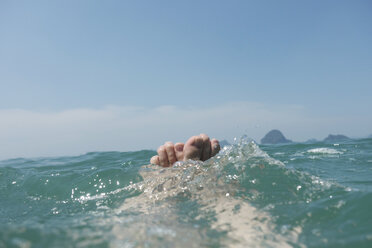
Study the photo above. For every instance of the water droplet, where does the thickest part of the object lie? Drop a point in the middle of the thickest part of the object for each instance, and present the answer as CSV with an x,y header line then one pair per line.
x,y
55,211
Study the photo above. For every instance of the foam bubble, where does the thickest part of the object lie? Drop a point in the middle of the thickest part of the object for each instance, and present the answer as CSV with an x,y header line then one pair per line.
x,y
324,150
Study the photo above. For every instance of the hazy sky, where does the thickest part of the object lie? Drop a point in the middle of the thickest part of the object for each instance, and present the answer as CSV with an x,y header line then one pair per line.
x,y
79,76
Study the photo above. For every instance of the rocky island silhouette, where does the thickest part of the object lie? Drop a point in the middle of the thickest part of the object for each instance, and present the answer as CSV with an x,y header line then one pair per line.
x,y
274,137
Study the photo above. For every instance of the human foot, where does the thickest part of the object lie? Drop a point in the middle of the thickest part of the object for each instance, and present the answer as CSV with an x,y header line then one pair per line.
x,y
196,148
168,154
200,148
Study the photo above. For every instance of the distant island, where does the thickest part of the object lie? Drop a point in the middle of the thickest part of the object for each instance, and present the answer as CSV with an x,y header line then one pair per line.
x,y
335,138
311,141
274,137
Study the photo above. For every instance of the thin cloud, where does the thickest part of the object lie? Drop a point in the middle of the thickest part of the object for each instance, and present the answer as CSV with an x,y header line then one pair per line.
x,y
26,133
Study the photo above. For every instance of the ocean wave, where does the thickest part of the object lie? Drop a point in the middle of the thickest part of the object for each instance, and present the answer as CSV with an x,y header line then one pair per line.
x,y
243,197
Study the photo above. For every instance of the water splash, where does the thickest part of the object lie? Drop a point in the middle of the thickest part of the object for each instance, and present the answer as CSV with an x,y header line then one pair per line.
x,y
217,187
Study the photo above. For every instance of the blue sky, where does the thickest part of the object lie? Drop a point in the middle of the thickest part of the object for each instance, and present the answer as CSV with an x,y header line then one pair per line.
x,y
85,69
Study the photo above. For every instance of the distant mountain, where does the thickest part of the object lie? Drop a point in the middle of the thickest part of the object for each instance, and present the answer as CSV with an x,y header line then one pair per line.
x,y
335,138
224,143
311,141
370,136
274,137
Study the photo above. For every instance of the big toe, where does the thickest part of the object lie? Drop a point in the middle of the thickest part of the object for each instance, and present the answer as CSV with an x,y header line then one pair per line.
x,y
178,147
193,148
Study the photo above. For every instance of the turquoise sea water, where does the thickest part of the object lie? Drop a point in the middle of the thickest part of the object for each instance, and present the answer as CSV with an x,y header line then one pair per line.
x,y
295,195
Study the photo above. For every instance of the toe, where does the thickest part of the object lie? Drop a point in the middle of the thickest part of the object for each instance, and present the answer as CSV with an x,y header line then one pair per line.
x,y
163,157
169,148
155,160
193,148
215,146
206,151
178,148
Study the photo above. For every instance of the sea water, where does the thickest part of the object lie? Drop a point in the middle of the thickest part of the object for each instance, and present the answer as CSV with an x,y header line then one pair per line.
x,y
249,195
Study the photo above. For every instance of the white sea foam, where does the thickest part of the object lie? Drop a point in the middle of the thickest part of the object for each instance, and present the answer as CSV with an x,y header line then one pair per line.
x,y
324,150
